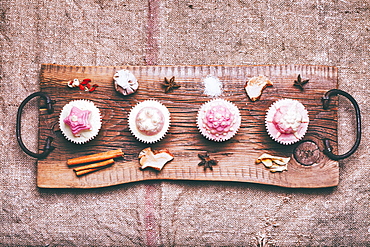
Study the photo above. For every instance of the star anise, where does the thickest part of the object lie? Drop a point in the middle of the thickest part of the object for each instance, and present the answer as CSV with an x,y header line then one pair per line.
x,y
170,84
299,83
206,162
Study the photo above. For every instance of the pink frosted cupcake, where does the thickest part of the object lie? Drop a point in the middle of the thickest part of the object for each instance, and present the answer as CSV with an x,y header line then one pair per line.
x,y
80,121
218,120
149,121
287,121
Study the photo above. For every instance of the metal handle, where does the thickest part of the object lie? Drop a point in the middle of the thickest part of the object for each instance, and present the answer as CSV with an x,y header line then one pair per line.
x,y
326,102
47,148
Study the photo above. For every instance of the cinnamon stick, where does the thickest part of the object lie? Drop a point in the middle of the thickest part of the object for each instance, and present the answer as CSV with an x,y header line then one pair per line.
x,y
94,165
83,172
95,157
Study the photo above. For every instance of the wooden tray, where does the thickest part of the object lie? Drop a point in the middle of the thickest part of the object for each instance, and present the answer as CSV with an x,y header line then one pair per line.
x,y
236,157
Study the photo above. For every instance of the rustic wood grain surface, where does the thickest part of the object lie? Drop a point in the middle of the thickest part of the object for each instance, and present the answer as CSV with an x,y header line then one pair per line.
x,y
236,157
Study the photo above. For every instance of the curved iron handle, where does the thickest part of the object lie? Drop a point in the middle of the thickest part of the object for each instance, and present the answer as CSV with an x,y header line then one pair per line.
x,y
327,147
47,148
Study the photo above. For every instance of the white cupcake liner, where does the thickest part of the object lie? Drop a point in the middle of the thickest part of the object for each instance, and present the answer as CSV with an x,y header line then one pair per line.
x,y
218,138
134,129
94,119
286,138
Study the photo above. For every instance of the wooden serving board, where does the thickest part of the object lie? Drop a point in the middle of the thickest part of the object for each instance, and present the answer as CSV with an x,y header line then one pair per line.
x,y
236,157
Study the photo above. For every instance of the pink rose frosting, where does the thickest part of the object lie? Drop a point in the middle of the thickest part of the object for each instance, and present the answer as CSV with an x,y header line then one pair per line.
x,y
287,121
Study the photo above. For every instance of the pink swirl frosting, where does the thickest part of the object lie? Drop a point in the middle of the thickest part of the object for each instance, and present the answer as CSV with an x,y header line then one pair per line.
x,y
78,120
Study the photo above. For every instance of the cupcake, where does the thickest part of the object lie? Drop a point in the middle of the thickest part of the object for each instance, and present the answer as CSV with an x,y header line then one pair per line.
x,y
80,121
149,121
287,121
218,120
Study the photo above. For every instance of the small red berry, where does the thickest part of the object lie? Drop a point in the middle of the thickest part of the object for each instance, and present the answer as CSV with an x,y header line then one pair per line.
x,y
85,81
92,89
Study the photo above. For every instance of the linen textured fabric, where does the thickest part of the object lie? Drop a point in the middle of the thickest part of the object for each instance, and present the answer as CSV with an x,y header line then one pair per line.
x,y
174,32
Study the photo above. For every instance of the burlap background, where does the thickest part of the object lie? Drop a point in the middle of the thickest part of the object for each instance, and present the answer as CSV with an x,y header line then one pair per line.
x,y
116,32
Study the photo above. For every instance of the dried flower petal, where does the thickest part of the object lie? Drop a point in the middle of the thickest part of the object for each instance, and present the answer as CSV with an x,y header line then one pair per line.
x,y
274,163
73,83
256,85
156,159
